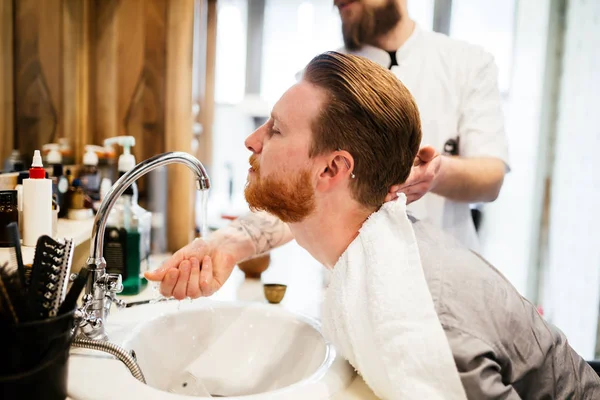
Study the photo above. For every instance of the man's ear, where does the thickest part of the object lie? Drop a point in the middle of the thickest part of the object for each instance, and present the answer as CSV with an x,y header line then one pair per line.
x,y
337,168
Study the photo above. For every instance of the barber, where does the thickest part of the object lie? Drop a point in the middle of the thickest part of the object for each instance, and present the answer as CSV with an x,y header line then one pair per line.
x,y
455,85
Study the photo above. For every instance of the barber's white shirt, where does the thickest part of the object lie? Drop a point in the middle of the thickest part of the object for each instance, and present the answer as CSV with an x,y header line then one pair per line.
x,y
455,85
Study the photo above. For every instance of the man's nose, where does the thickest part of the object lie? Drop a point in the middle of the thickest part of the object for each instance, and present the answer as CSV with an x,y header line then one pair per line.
x,y
254,141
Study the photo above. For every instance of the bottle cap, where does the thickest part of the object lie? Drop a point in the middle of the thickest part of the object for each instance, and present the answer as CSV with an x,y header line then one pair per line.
x,y
37,170
37,159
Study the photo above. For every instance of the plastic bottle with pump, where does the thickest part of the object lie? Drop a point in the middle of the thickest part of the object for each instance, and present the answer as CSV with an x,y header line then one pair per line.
x,y
89,175
66,151
127,235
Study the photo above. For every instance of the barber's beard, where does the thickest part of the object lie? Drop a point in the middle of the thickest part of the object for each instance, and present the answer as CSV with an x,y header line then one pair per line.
x,y
374,22
289,198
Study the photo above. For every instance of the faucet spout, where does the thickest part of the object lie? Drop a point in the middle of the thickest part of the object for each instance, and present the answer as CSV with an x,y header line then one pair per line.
x,y
141,169
101,287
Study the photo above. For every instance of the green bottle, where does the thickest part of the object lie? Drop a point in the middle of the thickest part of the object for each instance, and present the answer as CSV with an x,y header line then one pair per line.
x,y
127,236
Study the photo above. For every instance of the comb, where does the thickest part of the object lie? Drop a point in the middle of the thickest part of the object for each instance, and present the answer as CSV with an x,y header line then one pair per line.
x,y
48,276
16,257
63,280
6,301
14,304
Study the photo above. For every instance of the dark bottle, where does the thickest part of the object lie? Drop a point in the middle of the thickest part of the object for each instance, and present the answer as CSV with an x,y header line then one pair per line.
x,y
9,212
60,188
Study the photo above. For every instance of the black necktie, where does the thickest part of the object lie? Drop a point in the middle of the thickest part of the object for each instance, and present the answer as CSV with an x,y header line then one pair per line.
x,y
393,57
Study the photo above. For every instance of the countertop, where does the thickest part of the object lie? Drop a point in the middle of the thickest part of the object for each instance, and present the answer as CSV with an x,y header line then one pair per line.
x,y
78,230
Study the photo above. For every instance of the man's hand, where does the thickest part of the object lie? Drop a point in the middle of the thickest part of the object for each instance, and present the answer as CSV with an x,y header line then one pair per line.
x,y
190,272
202,267
422,178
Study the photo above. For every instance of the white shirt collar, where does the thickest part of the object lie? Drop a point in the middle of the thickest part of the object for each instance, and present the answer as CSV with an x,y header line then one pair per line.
x,y
382,57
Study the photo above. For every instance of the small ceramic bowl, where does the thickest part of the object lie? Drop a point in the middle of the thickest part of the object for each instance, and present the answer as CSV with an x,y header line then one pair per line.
x,y
274,292
254,267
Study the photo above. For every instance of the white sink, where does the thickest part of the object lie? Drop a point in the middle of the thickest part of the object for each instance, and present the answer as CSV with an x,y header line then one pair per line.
x,y
235,350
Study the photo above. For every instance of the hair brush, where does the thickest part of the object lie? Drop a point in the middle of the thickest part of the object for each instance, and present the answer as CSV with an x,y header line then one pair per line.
x,y
48,276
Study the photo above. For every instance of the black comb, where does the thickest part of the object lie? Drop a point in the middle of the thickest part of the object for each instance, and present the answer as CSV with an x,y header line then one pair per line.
x,y
14,304
47,276
16,257
63,280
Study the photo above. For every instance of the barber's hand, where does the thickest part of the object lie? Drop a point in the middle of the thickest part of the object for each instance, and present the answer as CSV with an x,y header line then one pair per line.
x,y
198,269
422,176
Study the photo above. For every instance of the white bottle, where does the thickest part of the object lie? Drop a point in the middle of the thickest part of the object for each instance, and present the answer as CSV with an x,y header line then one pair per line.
x,y
37,203
53,155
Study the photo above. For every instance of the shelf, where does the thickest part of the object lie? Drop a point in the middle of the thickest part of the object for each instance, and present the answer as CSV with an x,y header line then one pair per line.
x,y
79,231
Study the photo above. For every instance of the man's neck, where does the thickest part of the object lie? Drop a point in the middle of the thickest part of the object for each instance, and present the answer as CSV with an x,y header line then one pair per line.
x,y
327,233
395,38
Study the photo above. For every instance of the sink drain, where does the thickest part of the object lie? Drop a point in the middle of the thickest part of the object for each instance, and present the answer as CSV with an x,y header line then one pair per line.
x,y
184,384
189,385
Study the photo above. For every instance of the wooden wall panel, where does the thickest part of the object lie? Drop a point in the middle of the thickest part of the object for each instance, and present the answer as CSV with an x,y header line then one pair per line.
x,y
179,120
209,95
37,30
205,36
75,113
92,69
130,56
129,78
6,78
104,70
118,59
145,113
49,20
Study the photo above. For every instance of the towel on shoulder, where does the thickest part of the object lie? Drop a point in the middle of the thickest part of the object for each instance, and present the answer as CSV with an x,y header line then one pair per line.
x,y
379,313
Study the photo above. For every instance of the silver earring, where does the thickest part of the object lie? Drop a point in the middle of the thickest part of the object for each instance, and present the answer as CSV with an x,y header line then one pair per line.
x,y
348,166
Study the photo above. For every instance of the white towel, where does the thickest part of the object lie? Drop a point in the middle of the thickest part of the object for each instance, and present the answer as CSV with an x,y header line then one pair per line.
x,y
379,313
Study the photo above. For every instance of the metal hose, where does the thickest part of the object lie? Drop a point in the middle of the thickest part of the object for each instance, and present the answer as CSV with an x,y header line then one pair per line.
x,y
114,350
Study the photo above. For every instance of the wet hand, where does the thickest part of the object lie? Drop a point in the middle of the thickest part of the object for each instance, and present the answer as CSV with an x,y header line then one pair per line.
x,y
196,270
423,176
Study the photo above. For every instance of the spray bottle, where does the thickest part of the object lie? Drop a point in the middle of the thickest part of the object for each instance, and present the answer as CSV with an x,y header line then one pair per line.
x,y
89,175
127,236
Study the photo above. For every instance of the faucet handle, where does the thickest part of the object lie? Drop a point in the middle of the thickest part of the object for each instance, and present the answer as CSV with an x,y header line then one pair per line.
x,y
115,300
112,283
84,317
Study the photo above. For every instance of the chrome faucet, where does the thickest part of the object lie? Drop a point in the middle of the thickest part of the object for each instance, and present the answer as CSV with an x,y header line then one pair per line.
x,y
102,287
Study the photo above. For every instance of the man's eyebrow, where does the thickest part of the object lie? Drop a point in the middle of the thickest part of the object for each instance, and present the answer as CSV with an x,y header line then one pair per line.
x,y
276,117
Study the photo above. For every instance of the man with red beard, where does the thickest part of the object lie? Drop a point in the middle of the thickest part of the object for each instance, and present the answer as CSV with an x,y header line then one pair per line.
x,y
455,86
323,163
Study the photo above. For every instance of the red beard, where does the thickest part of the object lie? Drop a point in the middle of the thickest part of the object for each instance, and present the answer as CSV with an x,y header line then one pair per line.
x,y
289,198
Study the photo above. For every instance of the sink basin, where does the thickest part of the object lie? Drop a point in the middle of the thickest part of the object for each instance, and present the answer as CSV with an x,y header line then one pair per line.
x,y
225,349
